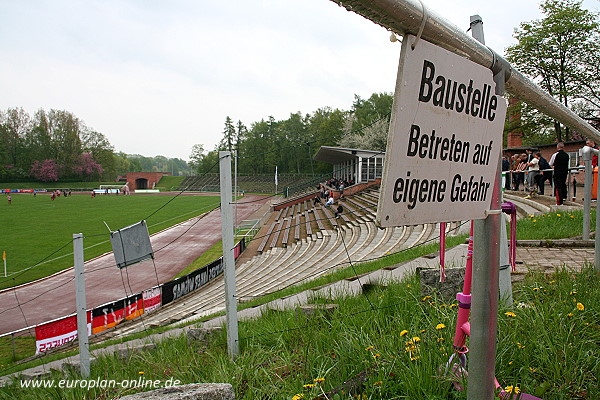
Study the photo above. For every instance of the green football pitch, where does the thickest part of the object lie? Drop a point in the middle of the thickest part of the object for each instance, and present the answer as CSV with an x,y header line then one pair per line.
x,y
37,232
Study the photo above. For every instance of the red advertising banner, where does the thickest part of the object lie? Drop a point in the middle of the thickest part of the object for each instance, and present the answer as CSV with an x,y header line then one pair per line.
x,y
152,299
59,332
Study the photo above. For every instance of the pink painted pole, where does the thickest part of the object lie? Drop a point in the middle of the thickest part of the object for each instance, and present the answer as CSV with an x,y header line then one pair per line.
x,y
442,252
464,300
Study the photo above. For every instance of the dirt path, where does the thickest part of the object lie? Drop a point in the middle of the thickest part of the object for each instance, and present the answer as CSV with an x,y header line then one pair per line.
x,y
174,249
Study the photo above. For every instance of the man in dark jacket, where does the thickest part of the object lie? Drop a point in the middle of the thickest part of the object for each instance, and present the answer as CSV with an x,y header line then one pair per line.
x,y
560,163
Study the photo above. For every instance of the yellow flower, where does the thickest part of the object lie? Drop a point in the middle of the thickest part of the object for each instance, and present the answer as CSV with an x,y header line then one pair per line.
x,y
404,332
440,326
535,220
415,358
318,379
425,298
416,339
532,369
531,215
573,292
512,389
376,355
535,289
309,385
378,383
521,346
510,314
558,215
454,305
141,372
570,314
298,396
580,307
572,216
510,363
440,339
370,348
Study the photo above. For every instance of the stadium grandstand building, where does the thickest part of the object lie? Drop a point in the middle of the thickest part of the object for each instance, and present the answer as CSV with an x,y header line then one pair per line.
x,y
356,165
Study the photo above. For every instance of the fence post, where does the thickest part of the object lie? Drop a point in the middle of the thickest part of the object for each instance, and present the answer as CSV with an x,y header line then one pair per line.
x,y
484,305
80,301
586,153
228,260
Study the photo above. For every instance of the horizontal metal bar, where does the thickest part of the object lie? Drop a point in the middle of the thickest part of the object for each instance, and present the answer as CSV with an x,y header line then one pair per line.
x,y
406,16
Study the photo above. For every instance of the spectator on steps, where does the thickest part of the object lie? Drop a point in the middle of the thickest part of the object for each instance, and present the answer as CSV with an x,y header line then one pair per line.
x,y
339,210
329,201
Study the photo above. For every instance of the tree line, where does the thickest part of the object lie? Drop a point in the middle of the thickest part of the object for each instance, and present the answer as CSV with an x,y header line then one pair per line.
x,y
55,144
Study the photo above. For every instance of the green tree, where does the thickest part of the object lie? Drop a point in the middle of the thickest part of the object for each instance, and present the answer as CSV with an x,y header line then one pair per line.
x,y
560,53
229,138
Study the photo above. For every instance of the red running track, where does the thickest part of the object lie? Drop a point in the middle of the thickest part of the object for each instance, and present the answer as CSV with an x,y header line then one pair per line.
x,y
54,297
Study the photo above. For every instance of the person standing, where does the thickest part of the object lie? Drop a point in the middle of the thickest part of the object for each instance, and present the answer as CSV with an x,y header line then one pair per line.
x,y
545,173
533,173
560,163
9,198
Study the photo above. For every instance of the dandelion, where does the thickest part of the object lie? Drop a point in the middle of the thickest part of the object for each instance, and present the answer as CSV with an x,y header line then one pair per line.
x,y
141,372
521,346
443,305
422,331
532,369
376,355
573,292
572,216
377,383
535,289
510,363
512,389
416,339
440,339
454,305
318,379
298,396
580,307
425,298
569,315
370,348
531,215
535,220
404,332
510,314
440,326
415,358
557,214
309,385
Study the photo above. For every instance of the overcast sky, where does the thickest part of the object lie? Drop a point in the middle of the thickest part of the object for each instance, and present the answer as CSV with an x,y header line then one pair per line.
x,y
157,77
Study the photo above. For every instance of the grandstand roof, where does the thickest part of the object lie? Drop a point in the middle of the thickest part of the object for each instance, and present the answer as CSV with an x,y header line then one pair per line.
x,y
336,155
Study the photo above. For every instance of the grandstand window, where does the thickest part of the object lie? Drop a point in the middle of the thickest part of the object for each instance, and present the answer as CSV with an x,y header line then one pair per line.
x,y
378,167
364,176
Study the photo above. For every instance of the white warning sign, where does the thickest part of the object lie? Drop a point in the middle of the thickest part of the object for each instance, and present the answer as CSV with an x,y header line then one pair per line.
x,y
444,139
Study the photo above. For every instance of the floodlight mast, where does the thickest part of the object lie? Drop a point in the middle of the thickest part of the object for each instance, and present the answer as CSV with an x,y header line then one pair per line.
x,y
407,16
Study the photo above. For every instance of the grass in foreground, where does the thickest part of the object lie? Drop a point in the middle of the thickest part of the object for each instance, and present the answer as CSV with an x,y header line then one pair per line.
x,y
42,229
393,339
553,225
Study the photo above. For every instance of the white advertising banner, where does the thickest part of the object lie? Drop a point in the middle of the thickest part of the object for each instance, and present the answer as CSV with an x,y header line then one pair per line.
x,y
444,140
